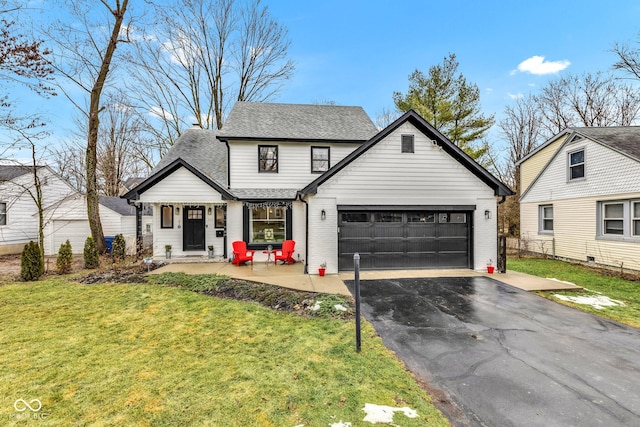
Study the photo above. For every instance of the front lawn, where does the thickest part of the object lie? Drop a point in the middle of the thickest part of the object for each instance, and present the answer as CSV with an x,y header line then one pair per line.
x,y
597,283
144,354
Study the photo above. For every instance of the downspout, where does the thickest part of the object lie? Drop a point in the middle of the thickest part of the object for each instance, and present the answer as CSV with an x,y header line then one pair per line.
x,y
306,233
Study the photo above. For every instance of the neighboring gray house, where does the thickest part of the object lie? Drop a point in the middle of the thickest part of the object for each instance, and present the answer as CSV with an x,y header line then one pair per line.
x,y
404,197
580,196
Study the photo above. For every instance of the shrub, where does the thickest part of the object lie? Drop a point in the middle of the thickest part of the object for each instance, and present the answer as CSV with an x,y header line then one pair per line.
x,y
65,258
31,262
118,247
91,259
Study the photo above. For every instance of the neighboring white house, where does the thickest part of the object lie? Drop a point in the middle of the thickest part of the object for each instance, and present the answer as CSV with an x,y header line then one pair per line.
x,y
404,197
68,221
18,211
580,196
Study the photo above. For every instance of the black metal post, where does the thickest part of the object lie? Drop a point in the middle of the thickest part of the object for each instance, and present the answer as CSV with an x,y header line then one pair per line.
x,y
356,265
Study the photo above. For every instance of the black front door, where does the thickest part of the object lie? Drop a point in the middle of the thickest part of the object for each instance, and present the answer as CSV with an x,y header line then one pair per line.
x,y
193,233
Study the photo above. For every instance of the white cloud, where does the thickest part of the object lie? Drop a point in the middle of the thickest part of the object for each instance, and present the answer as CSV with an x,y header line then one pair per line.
x,y
160,113
515,96
538,66
489,90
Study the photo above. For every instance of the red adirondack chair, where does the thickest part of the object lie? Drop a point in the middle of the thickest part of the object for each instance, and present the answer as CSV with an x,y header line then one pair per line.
x,y
241,254
286,253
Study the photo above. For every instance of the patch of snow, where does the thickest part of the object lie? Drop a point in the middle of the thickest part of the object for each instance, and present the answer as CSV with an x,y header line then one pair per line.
x,y
340,307
340,424
599,302
384,414
315,307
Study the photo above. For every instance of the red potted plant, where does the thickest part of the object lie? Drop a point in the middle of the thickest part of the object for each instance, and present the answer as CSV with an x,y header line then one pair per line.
x,y
322,268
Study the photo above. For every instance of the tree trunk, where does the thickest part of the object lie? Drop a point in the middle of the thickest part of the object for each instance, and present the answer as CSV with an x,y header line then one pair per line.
x,y
93,212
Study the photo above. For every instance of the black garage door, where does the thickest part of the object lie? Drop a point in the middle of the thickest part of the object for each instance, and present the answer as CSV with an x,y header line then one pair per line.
x,y
405,239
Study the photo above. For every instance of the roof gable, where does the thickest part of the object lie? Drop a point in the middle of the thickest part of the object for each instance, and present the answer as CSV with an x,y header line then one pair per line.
x,y
423,126
297,122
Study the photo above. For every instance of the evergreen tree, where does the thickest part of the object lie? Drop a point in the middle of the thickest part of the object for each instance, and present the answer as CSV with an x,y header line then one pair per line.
x,y
65,258
31,262
91,259
118,247
450,104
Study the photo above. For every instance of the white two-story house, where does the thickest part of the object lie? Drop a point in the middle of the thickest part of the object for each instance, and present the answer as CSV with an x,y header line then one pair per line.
x,y
324,176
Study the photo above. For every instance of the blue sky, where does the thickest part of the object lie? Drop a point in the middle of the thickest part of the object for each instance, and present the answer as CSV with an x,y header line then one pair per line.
x,y
360,52
357,52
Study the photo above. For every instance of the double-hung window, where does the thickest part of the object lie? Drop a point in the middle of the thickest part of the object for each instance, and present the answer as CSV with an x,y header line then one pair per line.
x,y
576,165
3,213
545,215
619,219
268,158
613,219
635,220
319,159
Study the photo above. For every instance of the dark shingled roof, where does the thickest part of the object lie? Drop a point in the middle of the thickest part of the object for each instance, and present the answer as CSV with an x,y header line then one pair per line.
x,y
622,138
298,122
201,149
118,205
9,172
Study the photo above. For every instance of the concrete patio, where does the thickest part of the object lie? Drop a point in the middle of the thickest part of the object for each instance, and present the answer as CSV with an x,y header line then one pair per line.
x,y
293,277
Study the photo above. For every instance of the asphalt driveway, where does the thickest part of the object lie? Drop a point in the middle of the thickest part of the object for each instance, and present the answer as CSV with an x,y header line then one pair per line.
x,y
495,355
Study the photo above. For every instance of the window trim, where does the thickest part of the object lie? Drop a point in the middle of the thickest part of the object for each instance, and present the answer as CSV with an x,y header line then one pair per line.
x,y
627,220
634,218
263,245
4,214
603,222
542,218
408,138
277,154
162,223
571,166
328,158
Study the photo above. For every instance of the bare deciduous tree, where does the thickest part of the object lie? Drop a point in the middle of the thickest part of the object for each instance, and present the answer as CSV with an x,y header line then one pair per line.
x,y
628,58
85,55
203,56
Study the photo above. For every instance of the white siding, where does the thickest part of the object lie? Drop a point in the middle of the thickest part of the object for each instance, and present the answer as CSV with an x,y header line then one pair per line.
x,y
294,164
385,176
607,172
575,228
181,187
22,218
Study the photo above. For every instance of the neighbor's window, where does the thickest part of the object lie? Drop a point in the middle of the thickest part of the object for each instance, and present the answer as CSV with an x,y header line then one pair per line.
x,y
267,224
3,213
319,159
267,158
613,217
546,219
576,165
219,216
166,216
635,221
407,144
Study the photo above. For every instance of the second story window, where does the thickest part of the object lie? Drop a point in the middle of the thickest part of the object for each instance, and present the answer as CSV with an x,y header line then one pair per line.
x,y
319,159
268,158
576,165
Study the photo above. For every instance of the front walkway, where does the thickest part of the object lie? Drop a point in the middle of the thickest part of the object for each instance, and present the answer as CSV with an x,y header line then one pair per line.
x,y
293,277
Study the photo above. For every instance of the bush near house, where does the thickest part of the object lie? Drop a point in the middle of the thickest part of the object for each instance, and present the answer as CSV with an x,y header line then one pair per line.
x,y
31,262
118,248
65,258
91,259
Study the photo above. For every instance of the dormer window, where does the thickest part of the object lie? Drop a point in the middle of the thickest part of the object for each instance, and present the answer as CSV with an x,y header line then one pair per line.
x,y
576,165
268,158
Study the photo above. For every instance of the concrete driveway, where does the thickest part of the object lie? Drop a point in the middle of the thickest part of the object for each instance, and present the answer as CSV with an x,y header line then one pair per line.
x,y
494,355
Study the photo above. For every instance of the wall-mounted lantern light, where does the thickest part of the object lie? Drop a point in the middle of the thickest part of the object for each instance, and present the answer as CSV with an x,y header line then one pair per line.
x,y
323,215
177,210
487,214
209,211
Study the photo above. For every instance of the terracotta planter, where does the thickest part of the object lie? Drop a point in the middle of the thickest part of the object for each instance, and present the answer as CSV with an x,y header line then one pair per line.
x,y
490,269
321,271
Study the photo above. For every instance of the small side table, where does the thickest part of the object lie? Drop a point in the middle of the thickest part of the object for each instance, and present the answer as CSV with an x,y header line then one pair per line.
x,y
268,257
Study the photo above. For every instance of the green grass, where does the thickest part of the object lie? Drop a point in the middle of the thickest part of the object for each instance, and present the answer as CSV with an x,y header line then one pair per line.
x,y
594,281
143,354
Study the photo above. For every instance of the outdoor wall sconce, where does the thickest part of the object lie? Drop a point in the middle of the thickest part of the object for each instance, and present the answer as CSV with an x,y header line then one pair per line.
x,y
323,215
209,211
487,214
177,210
